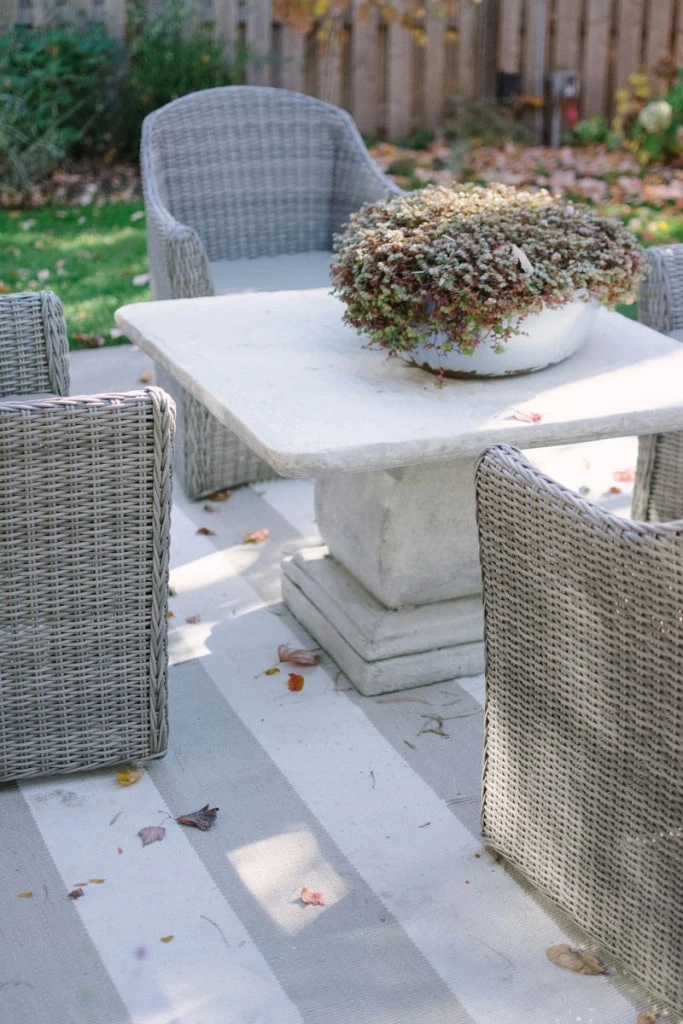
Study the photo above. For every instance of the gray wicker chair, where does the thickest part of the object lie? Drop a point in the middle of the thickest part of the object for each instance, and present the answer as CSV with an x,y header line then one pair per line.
x,y
658,487
583,763
84,537
234,174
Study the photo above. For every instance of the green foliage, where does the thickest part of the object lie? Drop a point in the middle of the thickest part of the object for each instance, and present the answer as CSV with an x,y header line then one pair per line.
x,y
420,139
591,130
490,122
459,261
171,52
56,90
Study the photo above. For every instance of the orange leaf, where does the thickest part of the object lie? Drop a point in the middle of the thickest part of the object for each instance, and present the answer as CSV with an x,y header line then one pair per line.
x,y
271,671
625,476
295,682
204,531
146,377
129,776
314,899
576,960
647,1018
220,496
257,536
297,657
25,895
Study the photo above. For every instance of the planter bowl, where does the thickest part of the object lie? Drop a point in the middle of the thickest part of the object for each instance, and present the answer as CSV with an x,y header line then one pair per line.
x,y
549,337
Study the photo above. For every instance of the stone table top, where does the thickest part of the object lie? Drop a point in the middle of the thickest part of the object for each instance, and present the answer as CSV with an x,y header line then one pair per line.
x,y
289,377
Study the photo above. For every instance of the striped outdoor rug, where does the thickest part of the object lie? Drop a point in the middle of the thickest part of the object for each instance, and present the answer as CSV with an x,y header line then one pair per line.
x,y
346,795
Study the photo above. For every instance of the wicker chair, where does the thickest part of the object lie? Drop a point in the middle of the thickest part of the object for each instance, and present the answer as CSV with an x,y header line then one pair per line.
x,y
583,763
234,174
658,488
84,536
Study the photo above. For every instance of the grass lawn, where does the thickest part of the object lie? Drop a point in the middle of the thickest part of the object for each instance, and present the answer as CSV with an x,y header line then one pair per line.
x,y
88,255
91,256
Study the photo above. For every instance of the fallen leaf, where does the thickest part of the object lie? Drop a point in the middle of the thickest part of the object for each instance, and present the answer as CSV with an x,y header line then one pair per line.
x,y
193,619
524,261
140,280
138,215
166,938
170,615
409,744
298,656
204,531
202,819
115,818
43,275
26,225
91,340
208,508
129,776
614,490
257,536
271,671
295,682
151,834
526,417
119,849
75,893
220,495
172,592
576,960
146,377
39,243
647,1018
625,476
25,895
314,899
4,288
116,332
96,881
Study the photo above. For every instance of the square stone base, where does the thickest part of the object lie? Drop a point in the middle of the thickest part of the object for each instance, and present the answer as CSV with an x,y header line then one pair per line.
x,y
382,650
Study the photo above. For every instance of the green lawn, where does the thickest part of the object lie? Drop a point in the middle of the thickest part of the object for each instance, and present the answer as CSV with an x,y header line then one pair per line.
x,y
91,255
88,255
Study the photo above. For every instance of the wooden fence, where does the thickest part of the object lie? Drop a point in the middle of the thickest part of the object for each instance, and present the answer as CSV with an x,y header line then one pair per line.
x,y
394,80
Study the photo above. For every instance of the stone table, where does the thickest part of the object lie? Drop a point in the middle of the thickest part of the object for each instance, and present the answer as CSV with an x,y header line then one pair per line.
x,y
394,596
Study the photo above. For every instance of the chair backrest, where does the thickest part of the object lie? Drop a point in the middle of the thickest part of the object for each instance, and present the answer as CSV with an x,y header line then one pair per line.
x,y
251,168
660,302
583,777
34,352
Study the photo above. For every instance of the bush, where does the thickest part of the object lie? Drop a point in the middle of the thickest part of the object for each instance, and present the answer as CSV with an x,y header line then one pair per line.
x,y
459,261
56,92
166,59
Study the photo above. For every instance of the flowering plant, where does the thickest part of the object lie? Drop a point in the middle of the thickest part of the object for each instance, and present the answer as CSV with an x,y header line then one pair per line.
x,y
448,265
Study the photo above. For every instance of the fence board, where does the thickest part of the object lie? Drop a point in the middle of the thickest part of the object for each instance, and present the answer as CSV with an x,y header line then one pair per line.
x,y
468,45
115,17
658,37
293,55
9,14
227,22
364,84
567,33
510,36
399,75
434,64
595,68
678,34
259,19
330,67
629,52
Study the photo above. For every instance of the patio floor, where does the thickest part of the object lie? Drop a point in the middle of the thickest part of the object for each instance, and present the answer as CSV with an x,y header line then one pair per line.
x,y
345,795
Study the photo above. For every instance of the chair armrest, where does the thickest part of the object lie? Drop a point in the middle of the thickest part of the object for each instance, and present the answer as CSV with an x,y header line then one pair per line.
x,y
34,351
357,178
660,302
178,262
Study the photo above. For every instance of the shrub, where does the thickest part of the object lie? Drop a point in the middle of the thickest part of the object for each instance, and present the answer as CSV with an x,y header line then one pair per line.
x,y
459,261
56,86
171,52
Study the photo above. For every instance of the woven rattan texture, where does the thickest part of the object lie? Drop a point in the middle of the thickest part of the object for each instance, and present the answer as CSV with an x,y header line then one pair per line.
x,y
234,173
583,765
34,353
85,496
658,487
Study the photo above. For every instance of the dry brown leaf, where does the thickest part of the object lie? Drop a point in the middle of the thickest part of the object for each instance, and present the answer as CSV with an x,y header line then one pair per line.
x,y
170,615
576,960
220,495
295,683
647,1018
129,776
526,417
202,819
257,536
208,508
24,895
193,619
91,340
166,938
4,288
146,377
204,531
625,476
96,881
151,834
409,744
298,656
76,893
614,490
271,671
119,849
314,899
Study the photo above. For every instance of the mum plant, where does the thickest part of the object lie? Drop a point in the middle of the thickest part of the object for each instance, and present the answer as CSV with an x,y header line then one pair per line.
x,y
453,266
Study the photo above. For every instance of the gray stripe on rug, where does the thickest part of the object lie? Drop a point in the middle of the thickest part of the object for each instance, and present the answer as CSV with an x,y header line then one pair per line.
x,y
355,963
50,971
